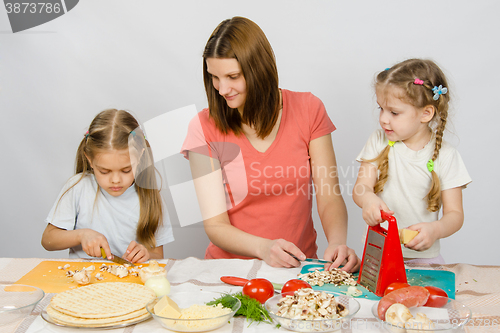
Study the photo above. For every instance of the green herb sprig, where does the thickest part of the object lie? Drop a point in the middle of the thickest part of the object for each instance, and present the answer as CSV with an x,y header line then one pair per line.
x,y
250,308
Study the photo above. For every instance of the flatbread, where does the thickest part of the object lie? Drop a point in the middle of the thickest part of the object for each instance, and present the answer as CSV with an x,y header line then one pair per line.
x,y
66,320
103,300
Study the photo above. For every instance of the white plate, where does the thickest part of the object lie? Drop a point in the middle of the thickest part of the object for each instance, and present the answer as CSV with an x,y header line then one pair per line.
x,y
451,316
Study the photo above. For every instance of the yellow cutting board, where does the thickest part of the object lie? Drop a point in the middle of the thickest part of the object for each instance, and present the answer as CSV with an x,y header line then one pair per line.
x,y
48,277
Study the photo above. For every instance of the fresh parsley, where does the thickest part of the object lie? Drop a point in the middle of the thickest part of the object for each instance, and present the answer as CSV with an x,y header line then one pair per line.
x,y
250,308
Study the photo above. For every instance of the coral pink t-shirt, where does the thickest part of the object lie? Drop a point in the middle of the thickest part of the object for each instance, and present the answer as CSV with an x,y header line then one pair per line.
x,y
268,194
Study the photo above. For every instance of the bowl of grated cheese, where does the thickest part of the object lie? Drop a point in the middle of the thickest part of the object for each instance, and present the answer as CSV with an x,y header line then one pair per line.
x,y
189,312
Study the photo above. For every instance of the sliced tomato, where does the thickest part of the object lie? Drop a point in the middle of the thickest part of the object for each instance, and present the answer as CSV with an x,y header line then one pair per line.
x,y
395,286
294,285
259,289
438,297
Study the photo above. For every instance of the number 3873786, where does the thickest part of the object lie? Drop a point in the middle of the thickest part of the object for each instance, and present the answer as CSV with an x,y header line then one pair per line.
x,y
33,7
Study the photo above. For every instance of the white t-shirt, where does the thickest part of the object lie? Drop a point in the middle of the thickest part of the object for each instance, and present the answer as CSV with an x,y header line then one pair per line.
x,y
409,181
114,217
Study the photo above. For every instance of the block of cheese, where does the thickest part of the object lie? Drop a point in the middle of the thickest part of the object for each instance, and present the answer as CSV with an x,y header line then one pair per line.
x,y
166,307
406,235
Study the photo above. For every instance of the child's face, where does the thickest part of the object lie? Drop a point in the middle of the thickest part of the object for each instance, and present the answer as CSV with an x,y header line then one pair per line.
x,y
113,171
228,80
400,120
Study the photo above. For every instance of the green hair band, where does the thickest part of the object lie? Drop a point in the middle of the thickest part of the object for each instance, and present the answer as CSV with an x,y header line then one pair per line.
x,y
430,165
391,143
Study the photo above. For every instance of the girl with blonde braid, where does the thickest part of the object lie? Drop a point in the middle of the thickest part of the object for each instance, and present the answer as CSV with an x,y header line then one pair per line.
x,y
113,201
407,169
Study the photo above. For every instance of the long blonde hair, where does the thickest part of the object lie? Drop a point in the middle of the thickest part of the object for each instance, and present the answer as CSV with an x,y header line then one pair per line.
x,y
419,94
110,130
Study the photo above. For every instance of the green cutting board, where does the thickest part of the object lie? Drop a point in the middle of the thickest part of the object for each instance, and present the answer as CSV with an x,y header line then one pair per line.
x,y
416,277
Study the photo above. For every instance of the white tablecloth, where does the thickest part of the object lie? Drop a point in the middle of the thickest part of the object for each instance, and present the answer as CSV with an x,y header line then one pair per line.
x,y
194,274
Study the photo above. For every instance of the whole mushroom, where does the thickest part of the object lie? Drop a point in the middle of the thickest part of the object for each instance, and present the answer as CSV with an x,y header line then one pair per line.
x,y
152,270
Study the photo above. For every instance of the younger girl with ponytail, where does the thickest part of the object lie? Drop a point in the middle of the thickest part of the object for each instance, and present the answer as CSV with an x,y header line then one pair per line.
x,y
113,202
407,169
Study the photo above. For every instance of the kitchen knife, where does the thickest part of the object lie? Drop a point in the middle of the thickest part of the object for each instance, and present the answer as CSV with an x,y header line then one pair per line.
x,y
116,259
237,281
319,261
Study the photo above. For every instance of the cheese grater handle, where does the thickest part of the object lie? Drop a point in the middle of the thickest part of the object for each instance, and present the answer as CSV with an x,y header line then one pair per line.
x,y
385,216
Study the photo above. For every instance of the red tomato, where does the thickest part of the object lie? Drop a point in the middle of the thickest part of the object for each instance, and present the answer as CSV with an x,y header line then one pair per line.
x,y
438,297
293,285
259,289
395,286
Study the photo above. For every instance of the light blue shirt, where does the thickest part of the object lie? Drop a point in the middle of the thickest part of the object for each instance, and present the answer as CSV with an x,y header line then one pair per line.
x,y
114,217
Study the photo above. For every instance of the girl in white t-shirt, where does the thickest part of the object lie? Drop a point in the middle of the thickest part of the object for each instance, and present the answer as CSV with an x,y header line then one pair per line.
x,y
113,201
407,169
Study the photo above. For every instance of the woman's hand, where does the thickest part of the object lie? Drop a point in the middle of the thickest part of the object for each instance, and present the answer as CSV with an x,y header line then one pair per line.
x,y
276,253
92,242
342,255
136,253
427,235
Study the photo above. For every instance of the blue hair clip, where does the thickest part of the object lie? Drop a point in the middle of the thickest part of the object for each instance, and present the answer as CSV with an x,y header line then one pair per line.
x,y
387,69
439,91
133,133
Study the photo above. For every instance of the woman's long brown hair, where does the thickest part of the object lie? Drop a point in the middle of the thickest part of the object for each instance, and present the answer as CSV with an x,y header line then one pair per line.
x,y
403,76
110,130
243,40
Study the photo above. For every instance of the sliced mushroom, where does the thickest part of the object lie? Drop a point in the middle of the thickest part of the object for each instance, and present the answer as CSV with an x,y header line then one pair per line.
x,y
121,271
398,314
309,304
421,323
82,277
91,268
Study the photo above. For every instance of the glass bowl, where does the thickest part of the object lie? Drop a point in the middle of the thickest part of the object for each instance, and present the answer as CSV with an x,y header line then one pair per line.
x,y
184,300
319,325
17,301
453,315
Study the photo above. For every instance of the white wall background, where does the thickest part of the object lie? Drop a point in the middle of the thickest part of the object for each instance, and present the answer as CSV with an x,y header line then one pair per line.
x,y
145,56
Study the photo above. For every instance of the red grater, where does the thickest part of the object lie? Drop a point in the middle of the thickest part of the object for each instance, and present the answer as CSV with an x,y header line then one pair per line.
x,y
382,258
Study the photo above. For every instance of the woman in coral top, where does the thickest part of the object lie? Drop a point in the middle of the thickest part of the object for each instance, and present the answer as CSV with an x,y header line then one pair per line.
x,y
258,154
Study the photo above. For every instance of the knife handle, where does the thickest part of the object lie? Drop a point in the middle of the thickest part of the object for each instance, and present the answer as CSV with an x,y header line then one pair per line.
x,y
235,281
103,254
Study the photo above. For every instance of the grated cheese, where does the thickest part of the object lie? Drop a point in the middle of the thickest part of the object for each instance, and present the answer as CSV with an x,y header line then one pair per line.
x,y
197,311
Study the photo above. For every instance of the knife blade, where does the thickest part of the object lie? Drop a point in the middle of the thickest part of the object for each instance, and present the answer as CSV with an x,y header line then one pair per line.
x,y
117,259
320,261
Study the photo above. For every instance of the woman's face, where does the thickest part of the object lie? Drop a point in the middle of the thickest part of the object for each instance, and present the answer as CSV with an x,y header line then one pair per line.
x,y
228,80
